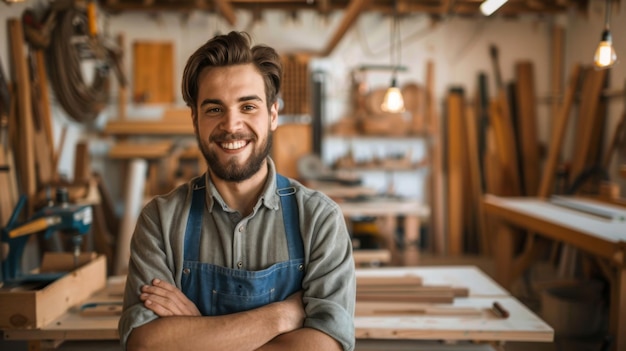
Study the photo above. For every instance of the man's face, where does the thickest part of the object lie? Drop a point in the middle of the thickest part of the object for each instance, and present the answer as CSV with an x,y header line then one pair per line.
x,y
233,126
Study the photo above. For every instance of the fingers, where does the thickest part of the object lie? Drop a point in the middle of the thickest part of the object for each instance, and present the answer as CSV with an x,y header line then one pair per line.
x,y
165,299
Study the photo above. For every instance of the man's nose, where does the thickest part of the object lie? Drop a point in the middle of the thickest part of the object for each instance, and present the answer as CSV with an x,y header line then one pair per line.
x,y
232,121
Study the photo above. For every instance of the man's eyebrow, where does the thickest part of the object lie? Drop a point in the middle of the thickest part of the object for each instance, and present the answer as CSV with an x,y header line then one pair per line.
x,y
219,102
250,97
211,101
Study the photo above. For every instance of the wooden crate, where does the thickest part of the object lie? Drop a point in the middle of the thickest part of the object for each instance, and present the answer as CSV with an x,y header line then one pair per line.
x,y
35,308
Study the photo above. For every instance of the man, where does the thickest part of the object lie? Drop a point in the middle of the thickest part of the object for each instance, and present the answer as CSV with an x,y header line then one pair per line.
x,y
240,258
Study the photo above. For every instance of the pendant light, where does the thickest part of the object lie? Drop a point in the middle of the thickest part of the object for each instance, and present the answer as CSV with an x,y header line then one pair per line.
x,y
393,101
605,56
490,6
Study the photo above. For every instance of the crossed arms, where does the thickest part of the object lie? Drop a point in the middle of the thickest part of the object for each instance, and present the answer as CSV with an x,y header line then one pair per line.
x,y
274,327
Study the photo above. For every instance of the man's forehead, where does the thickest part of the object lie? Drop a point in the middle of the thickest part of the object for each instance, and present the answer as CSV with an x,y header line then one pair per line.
x,y
244,80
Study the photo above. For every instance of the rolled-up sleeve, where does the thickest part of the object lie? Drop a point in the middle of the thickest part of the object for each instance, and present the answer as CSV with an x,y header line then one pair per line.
x,y
329,283
150,258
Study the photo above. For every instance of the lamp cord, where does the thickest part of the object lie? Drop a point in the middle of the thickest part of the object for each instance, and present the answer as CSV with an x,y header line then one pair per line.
x,y
396,43
607,15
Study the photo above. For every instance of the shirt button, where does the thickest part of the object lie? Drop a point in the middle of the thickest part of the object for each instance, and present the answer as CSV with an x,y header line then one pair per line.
x,y
239,264
241,229
186,271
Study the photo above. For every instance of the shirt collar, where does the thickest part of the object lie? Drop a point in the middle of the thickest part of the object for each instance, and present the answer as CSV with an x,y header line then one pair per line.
x,y
269,198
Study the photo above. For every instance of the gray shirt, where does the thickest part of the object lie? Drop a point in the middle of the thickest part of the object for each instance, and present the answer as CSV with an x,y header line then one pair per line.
x,y
251,243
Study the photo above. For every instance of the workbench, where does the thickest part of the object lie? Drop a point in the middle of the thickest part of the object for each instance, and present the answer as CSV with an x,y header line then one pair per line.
x,y
597,235
388,209
395,332
401,331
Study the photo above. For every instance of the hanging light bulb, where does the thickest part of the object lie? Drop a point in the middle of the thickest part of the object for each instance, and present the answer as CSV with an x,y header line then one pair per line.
x,y
605,55
393,101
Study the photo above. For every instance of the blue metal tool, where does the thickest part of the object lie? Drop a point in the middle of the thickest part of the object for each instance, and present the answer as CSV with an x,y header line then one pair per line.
x,y
56,217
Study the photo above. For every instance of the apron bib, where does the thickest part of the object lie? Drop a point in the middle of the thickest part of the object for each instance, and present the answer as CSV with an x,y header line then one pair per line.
x,y
218,290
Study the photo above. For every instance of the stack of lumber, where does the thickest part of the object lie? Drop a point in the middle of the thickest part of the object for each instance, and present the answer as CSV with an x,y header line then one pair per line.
x,y
407,295
493,147
408,288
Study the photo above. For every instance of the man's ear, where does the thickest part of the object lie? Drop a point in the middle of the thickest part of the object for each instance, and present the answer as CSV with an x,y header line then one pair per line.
x,y
274,116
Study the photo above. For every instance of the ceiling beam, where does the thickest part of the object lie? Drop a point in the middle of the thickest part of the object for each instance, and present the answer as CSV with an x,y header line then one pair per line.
x,y
227,11
351,14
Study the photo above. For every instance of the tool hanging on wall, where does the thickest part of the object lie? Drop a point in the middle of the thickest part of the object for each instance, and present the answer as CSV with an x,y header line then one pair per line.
x,y
69,32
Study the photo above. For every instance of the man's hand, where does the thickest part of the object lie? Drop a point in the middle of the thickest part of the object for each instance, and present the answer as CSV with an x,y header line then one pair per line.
x,y
166,300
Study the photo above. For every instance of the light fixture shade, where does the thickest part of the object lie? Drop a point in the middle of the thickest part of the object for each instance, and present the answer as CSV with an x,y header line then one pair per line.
x,y
605,55
490,6
393,101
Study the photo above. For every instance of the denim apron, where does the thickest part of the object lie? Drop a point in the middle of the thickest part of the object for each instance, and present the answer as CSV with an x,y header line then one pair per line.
x,y
218,290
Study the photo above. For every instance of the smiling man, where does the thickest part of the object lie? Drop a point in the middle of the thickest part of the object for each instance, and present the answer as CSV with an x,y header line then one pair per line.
x,y
240,258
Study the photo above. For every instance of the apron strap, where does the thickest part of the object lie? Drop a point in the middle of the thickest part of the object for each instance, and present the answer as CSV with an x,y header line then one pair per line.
x,y
194,222
289,206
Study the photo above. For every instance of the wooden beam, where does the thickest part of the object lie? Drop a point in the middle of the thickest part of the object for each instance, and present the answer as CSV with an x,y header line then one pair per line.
x,y
527,125
227,11
351,14
558,134
26,138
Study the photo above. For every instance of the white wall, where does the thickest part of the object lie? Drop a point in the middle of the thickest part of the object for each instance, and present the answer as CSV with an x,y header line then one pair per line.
x,y
458,46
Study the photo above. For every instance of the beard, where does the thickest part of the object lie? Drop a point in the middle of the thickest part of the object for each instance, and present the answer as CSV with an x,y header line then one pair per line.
x,y
234,170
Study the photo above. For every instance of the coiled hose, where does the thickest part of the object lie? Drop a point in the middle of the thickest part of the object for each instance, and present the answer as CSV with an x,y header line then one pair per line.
x,y
70,47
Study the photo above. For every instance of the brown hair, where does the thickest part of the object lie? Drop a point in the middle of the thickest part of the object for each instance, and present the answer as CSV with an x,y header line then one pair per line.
x,y
232,49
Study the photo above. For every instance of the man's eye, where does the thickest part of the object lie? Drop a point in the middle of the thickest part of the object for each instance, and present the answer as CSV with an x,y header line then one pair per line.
x,y
213,110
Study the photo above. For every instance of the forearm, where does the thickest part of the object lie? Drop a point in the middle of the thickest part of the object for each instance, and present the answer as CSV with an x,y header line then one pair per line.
x,y
240,331
304,339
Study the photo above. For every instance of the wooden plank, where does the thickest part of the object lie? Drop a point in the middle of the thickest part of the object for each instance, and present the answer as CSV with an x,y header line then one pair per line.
x,y
413,296
435,178
44,96
558,134
404,280
42,124
7,203
153,77
587,118
122,91
26,140
393,290
527,125
149,150
476,180
556,68
149,127
618,134
505,145
522,324
455,165
399,309
82,162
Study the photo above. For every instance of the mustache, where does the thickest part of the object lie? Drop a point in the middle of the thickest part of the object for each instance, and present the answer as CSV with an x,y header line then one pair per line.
x,y
225,137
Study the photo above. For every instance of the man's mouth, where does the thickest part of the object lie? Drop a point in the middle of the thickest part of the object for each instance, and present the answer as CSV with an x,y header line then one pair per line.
x,y
233,145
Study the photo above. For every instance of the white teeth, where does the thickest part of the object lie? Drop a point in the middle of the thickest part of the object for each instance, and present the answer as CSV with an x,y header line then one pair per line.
x,y
234,145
